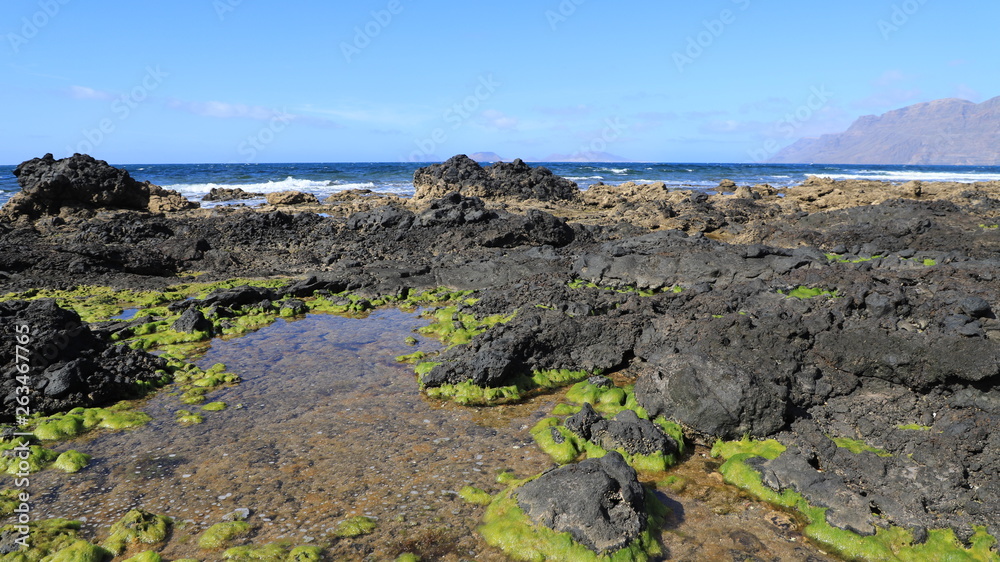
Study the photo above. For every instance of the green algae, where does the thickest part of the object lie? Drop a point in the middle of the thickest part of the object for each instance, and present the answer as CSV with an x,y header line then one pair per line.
x,y
137,527
186,417
628,289
408,557
888,543
24,458
221,534
414,357
930,263
914,427
804,293
470,394
215,407
147,556
9,500
71,461
474,495
355,527
507,527
858,447
78,421
273,552
52,539
564,446
452,327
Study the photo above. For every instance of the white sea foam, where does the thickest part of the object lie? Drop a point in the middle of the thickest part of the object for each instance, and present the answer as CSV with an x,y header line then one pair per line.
x,y
903,176
581,178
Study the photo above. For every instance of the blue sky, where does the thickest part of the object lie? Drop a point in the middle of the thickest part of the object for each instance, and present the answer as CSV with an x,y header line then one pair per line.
x,y
395,80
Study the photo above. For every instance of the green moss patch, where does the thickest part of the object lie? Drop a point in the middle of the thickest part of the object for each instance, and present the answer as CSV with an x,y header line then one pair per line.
x,y
452,327
507,527
891,543
138,527
148,556
78,421
858,447
221,534
215,407
475,496
469,394
19,456
803,292
186,417
582,284
71,461
54,539
355,527
564,446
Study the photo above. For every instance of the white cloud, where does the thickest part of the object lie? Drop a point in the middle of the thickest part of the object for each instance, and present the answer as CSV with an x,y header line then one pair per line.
x,y
493,119
85,93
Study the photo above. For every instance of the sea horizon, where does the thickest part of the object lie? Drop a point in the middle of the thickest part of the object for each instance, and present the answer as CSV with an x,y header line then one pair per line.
x,y
322,179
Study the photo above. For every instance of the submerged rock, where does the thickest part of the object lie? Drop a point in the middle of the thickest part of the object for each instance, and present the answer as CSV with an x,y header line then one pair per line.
x,y
600,502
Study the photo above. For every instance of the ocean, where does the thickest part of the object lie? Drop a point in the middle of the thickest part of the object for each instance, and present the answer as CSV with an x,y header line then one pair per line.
x,y
196,180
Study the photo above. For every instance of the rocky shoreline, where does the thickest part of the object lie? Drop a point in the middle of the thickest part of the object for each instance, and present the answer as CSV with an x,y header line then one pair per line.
x,y
843,331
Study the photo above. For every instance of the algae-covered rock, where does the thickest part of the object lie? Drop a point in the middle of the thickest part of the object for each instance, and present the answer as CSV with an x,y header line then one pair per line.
x,y
79,551
221,534
137,527
148,556
274,552
71,461
355,527
600,502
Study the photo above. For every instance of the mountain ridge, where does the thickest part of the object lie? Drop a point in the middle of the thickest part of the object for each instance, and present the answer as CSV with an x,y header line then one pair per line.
x,y
944,132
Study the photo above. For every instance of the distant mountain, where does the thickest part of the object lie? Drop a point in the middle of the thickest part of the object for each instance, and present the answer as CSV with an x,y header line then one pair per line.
x,y
486,157
946,132
583,157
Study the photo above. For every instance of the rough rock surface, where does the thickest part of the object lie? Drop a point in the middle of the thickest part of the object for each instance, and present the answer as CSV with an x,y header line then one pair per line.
x,y
600,502
230,194
515,180
81,183
688,294
291,198
625,431
69,366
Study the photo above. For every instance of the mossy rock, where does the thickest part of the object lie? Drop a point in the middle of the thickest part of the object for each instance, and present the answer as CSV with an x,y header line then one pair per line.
x,y
475,496
355,527
79,551
214,407
221,534
507,527
888,543
9,500
408,557
137,527
71,461
185,417
54,539
38,458
78,421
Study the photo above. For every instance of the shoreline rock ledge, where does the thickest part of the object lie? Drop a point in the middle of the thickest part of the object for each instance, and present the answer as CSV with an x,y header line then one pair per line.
x,y
82,184
502,180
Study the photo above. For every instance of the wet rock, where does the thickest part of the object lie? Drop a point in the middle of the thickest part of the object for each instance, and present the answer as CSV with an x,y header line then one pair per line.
x,y
294,307
600,502
81,183
625,431
238,297
192,321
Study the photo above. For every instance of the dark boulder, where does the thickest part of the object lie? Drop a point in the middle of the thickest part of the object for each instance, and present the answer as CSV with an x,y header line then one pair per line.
x,y
626,431
712,398
515,180
192,321
600,502
82,183
69,366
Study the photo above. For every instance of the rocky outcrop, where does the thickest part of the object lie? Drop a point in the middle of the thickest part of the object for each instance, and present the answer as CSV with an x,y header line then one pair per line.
x,y
502,180
80,184
69,366
291,198
218,194
600,502
626,431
